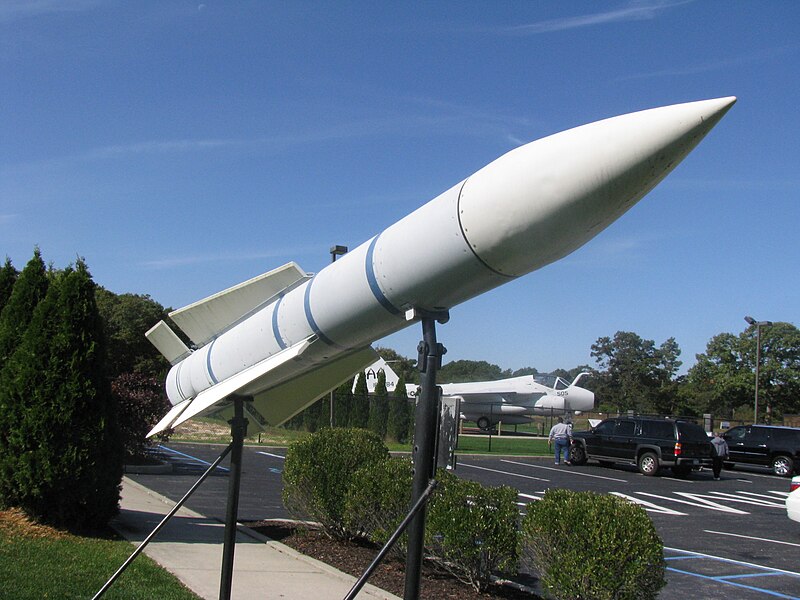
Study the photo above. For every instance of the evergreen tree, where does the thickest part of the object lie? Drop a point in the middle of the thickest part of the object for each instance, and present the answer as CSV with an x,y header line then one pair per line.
x,y
343,400
324,414
311,417
29,289
8,275
126,318
63,463
379,407
397,427
359,412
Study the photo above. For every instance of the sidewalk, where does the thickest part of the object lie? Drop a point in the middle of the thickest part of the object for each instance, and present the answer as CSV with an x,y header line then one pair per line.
x,y
190,547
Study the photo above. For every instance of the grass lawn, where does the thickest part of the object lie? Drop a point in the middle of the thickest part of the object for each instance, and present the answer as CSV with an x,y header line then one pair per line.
x,y
469,444
40,562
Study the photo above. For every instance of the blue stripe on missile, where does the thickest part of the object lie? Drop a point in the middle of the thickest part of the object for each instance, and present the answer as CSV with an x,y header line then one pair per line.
x,y
178,380
208,362
372,280
310,318
275,328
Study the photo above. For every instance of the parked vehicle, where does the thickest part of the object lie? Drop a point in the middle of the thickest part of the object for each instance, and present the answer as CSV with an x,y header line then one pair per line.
x,y
765,445
793,500
647,442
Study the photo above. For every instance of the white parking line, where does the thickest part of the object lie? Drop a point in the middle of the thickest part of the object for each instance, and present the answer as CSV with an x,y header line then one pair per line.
x,y
699,502
529,496
750,537
272,455
570,471
747,499
650,506
461,464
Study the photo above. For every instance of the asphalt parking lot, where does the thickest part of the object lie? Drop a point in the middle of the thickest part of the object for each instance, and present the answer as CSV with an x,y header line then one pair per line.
x,y
723,539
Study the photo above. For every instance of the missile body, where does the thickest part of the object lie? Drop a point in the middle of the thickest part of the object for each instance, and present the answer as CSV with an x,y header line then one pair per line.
x,y
293,343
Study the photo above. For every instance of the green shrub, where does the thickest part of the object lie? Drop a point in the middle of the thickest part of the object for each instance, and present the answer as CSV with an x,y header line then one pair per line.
x,y
472,529
587,545
378,500
318,471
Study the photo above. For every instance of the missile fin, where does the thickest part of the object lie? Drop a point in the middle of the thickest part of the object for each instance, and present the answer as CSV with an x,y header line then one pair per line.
x,y
167,342
208,318
280,403
166,422
204,402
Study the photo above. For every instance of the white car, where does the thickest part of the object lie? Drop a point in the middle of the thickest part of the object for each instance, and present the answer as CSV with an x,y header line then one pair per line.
x,y
793,500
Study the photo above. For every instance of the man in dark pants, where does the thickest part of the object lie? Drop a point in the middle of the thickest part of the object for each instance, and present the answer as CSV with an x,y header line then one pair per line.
x,y
719,455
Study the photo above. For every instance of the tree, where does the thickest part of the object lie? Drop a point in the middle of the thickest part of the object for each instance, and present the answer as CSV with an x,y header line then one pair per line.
x,y
142,403
636,375
126,318
29,289
343,401
399,413
311,416
359,413
460,371
63,463
404,367
379,407
723,379
8,276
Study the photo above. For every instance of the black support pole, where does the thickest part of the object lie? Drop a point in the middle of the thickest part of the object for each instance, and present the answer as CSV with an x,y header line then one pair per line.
x,y
238,433
163,522
425,428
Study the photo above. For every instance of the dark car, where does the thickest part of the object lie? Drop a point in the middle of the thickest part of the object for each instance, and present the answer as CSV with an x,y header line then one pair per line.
x,y
765,445
647,442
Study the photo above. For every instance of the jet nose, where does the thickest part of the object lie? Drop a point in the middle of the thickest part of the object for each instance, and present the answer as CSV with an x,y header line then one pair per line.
x,y
543,200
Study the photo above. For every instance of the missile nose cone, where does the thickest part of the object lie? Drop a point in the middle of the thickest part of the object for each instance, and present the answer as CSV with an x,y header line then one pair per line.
x,y
547,198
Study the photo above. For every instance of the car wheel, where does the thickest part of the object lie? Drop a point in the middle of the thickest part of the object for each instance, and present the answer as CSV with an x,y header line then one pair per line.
x,y
783,466
577,455
483,423
648,464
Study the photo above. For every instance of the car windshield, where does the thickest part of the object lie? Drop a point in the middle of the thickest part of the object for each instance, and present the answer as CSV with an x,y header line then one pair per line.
x,y
690,431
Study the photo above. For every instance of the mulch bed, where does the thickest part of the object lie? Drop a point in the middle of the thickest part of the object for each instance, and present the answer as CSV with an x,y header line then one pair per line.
x,y
354,558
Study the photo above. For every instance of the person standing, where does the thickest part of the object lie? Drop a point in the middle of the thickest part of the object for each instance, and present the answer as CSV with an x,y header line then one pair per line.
x,y
719,455
560,435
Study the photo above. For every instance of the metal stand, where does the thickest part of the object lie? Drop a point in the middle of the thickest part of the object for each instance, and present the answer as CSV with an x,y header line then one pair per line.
x,y
424,452
163,522
238,433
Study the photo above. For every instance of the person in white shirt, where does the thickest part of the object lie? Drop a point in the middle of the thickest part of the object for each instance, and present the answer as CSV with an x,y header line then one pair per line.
x,y
560,435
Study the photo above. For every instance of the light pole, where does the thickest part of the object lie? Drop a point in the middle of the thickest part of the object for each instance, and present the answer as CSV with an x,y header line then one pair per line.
x,y
758,324
336,251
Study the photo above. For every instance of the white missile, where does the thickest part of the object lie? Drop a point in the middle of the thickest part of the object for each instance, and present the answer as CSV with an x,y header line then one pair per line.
x,y
286,338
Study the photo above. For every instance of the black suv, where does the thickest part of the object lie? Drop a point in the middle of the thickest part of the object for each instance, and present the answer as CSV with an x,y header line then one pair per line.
x,y
647,442
766,445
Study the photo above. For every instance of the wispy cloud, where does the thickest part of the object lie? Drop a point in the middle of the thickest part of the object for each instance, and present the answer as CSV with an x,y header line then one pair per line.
x,y
223,257
13,10
4,219
635,11
758,56
160,147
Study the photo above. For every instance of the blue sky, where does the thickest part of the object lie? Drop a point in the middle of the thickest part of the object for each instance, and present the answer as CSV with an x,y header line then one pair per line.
x,y
183,147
